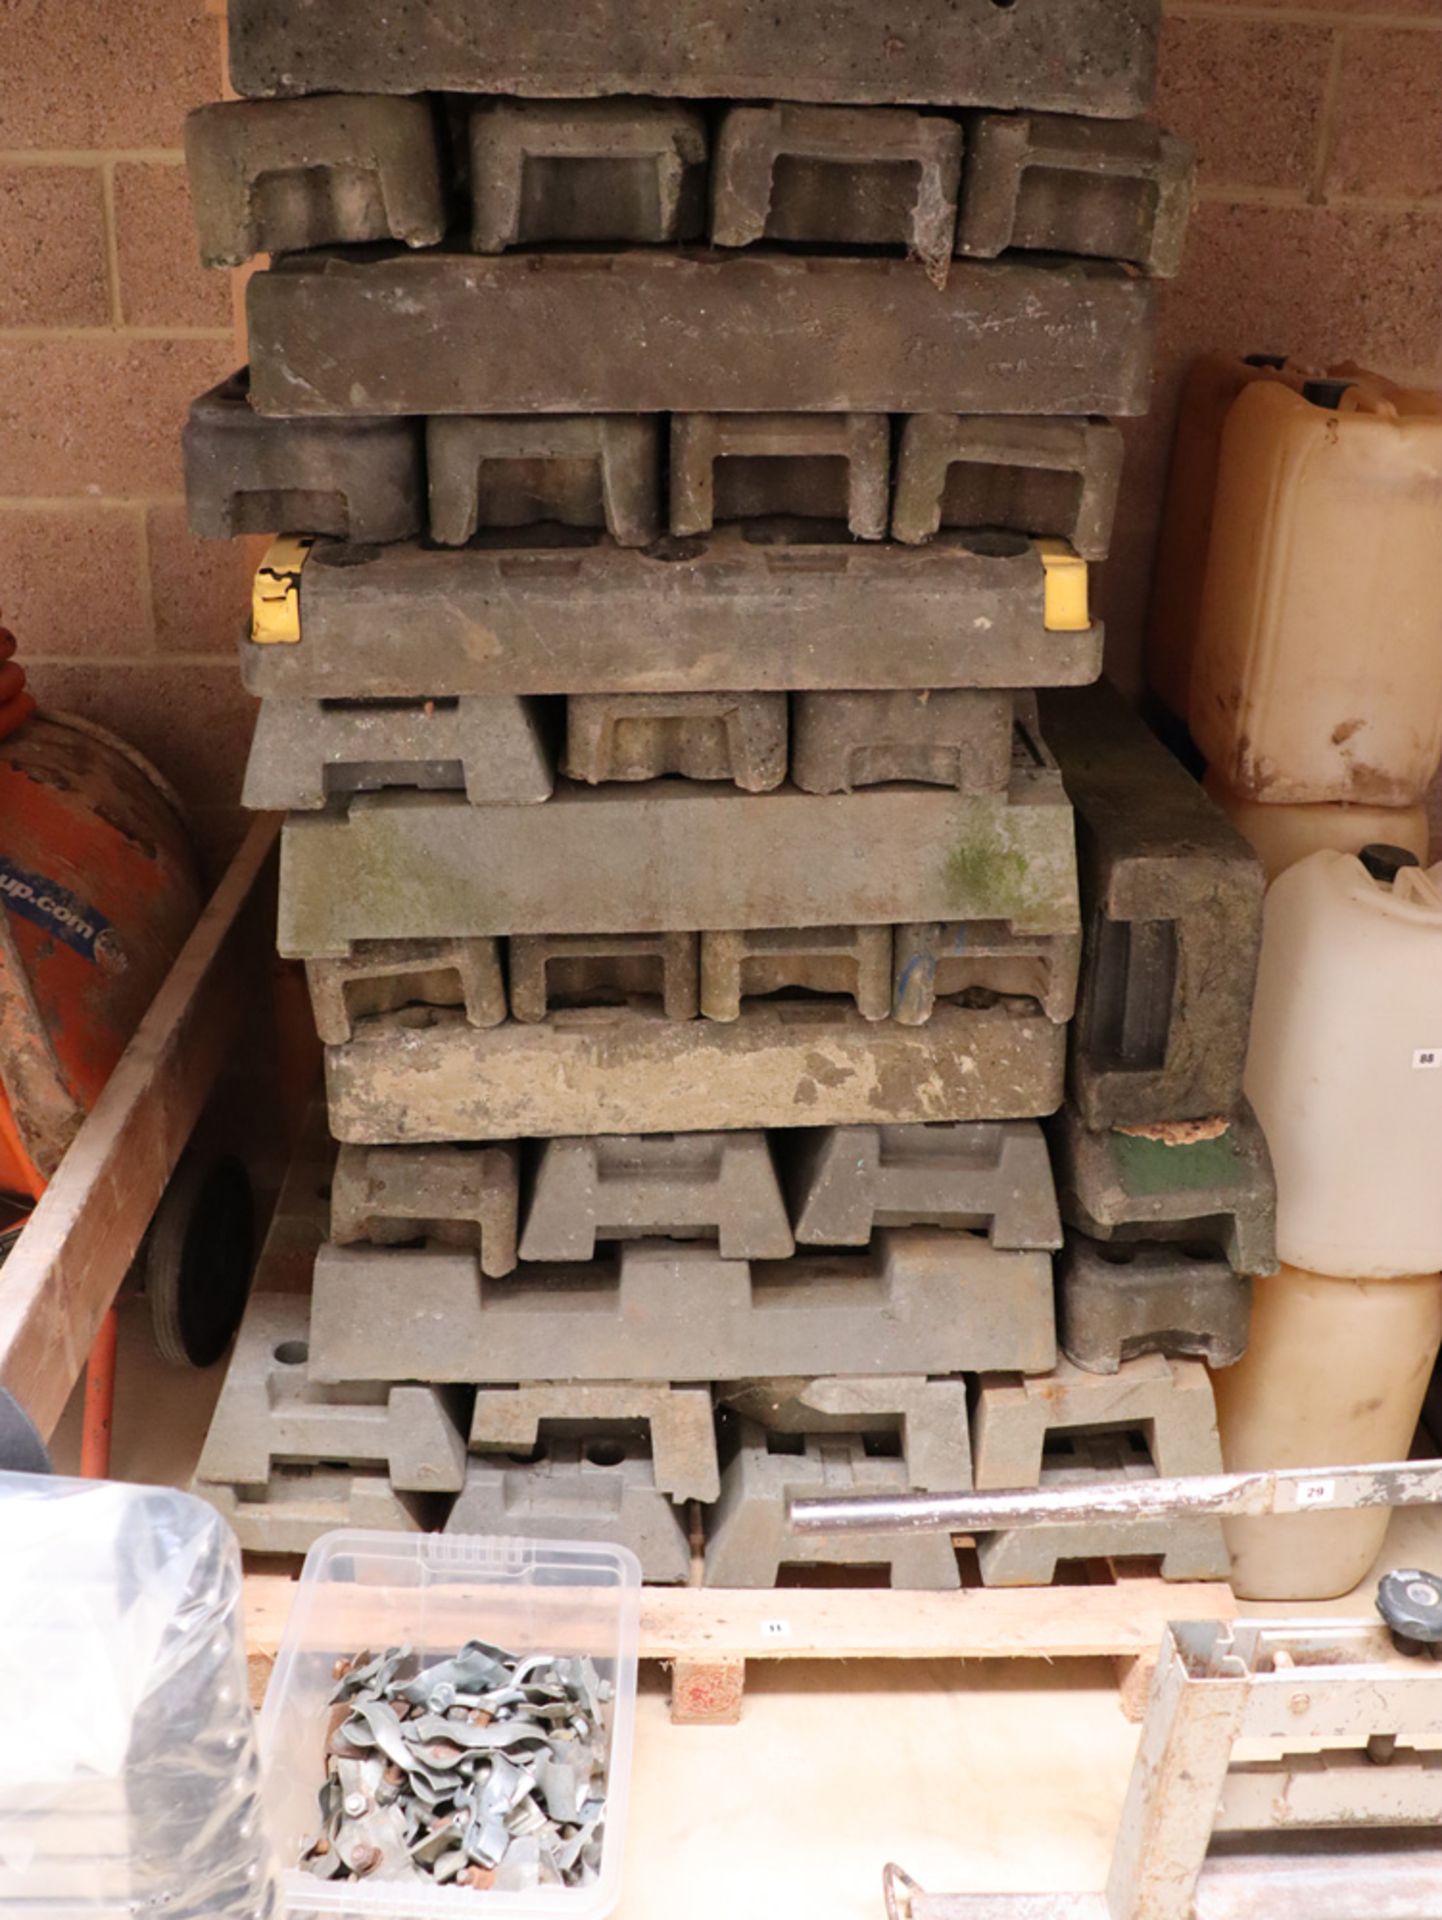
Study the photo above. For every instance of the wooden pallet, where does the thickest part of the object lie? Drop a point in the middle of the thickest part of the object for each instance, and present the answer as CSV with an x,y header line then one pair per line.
x,y
706,1635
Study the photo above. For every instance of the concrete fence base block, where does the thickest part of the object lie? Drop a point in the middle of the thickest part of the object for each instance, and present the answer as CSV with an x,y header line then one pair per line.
x,y
841,741
1047,479
842,962
813,466
982,1176
603,171
937,961
601,1489
1120,1299
297,1505
679,1421
274,177
599,470
566,971
748,1540
929,1418
677,1186
737,737
360,480
916,1301
451,1196
385,976
305,753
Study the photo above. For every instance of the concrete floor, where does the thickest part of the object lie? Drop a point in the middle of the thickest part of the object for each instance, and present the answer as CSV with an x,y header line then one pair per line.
x,y
986,1776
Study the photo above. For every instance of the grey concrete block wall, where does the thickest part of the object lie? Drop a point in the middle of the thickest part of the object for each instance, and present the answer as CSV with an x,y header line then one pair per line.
x,y
673,856
597,470
1051,479
961,739
569,332
736,737
681,1186
361,480
1118,1299
679,1423
567,970
1056,184
936,961
384,976
271,177
748,1539
928,1417
1084,56
450,1196
916,1301
1210,1185
600,1490
982,1176
699,616
430,1077
271,1413
1172,920
838,176
601,171
306,753
746,466
851,963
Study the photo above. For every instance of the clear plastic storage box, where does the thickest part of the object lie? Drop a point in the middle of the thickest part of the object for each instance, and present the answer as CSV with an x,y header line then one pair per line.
x,y
377,1590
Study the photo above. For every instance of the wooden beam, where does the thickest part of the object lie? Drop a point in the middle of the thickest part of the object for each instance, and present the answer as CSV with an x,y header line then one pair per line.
x,y
68,1264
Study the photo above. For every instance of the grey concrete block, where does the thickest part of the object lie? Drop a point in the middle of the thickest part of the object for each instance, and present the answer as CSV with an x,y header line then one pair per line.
x,y
653,331
840,741
983,1176
929,1418
1050,479
740,737
916,1301
1084,56
840,962
298,1505
1029,1556
748,1539
675,1186
676,855
271,1413
428,1076
603,171
1205,1186
1118,1300
553,971
1054,184
766,608
746,466
304,753
601,1489
838,176
383,976
1172,924
274,177
970,959
597,470
300,1223
1166,1403
460,1196
361,480
679,1421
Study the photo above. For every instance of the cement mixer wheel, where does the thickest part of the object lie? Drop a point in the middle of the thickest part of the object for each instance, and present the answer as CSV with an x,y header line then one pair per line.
x,y
198,1259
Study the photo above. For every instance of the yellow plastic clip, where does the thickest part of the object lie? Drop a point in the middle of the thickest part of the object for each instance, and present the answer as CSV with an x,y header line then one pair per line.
x,y
275,603
1067,598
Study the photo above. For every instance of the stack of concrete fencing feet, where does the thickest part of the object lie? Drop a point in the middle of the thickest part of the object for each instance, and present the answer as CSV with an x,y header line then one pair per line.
x,y
686,433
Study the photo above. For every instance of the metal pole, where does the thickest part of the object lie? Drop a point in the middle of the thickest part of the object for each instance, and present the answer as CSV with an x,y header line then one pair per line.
x,y
1218,1496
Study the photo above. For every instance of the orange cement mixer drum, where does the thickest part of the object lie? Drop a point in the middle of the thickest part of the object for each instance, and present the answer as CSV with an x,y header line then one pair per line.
x,y
100,887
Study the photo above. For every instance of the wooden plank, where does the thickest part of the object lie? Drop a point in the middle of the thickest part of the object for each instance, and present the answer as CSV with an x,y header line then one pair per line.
x,y
67,1266
704,1627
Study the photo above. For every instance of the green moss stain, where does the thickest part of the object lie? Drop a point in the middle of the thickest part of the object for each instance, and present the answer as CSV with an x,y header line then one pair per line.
x,y
984,880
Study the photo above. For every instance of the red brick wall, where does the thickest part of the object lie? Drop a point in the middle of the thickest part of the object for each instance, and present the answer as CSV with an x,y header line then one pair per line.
x,y
1319,232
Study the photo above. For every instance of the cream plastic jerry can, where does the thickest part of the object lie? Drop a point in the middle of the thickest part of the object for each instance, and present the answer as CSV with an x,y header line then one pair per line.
x,y
1281,836
1344,1067
1318,668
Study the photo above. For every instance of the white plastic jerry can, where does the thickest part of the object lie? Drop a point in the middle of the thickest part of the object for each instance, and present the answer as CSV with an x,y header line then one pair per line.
x,y
1345,1063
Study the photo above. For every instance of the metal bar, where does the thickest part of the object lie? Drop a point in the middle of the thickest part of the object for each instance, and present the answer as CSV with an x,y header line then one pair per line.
x,y
1219,1496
